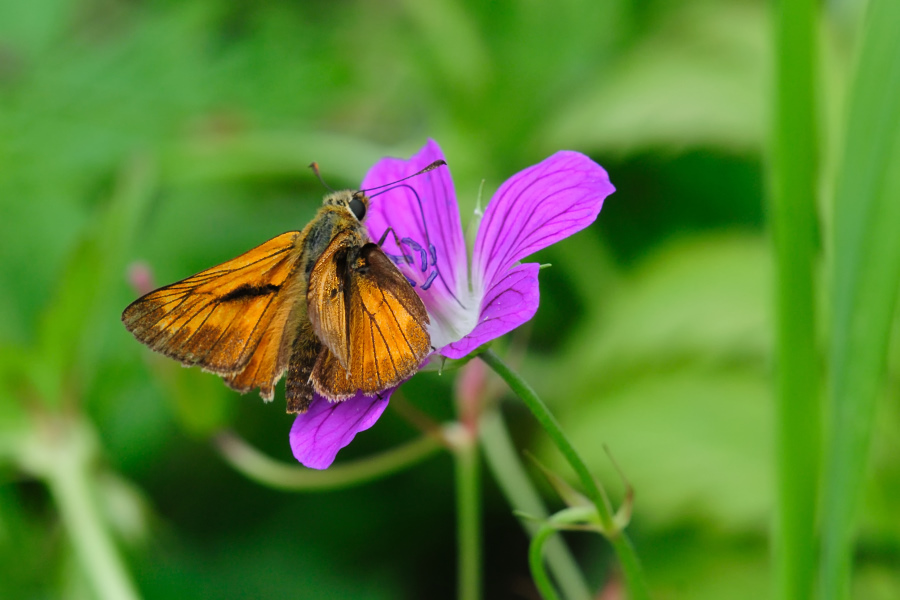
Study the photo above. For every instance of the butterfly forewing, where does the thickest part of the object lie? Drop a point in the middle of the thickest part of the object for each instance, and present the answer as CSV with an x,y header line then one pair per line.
x,y
270,359
386,329
230,319
390,320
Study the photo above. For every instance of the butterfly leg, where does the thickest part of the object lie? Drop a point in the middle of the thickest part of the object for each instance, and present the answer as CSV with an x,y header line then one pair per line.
x,y
298,389
390,230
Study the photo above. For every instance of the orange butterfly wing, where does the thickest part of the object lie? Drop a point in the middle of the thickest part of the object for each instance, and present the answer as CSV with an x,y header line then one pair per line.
x,y
386,333
326,295
234,319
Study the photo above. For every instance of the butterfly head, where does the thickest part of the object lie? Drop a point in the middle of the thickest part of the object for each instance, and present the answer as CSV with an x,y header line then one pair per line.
x,y
356,203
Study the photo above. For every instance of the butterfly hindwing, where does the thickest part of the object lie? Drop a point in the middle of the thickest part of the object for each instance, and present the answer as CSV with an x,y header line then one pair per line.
x,y
388,322
231,319
386,327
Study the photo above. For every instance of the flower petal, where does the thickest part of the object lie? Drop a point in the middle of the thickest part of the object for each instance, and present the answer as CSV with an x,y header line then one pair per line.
x,y
511,301
432,217
430,233
326,427
537,207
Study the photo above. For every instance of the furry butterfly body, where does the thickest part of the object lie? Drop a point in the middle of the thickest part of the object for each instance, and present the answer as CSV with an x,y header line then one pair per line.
x,y
324,304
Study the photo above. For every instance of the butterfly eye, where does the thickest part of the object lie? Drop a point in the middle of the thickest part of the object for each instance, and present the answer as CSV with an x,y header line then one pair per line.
x,y
358,208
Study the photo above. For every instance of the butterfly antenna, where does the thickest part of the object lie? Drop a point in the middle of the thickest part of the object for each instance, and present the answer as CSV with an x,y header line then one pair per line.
x,y
315,169
431,167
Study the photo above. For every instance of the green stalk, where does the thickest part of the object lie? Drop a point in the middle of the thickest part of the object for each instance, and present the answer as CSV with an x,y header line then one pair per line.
x,y
536,561
793,179
67,471
631,568
275,474
468,519
865,282
503,461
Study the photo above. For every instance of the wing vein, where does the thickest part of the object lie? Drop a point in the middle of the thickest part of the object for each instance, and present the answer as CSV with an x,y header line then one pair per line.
x,y
262,316
199,327
374,352
210,274
399,326
212,346
163,330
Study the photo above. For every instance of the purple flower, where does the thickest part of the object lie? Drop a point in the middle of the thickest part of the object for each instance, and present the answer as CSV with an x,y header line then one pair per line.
x,y
469,303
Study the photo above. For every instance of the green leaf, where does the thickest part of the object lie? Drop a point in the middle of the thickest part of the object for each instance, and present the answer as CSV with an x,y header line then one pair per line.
x,y
710,568
247,155
865,278
697,299
695,443
698,81
73,326
672,376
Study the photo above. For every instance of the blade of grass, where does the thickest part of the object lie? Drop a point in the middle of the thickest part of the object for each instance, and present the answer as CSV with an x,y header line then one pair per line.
x,y
468,517
504,463
865,279
793,178
64,453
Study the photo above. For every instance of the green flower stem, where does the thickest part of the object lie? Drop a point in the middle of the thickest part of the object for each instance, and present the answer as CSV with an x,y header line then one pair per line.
x,y
509,473
553,429
536,561
257,466
570,518
468,510
793,183
65,461
634,578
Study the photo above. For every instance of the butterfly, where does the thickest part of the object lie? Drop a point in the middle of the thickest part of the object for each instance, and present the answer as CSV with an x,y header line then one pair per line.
x,y
324,304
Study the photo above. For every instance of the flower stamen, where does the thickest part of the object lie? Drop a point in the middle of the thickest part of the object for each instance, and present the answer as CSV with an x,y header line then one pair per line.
x,y
433,251
424,256
416,247
400,258
430,280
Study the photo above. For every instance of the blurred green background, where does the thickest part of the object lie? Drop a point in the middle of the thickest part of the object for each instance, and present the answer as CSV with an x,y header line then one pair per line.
x,y
178,134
